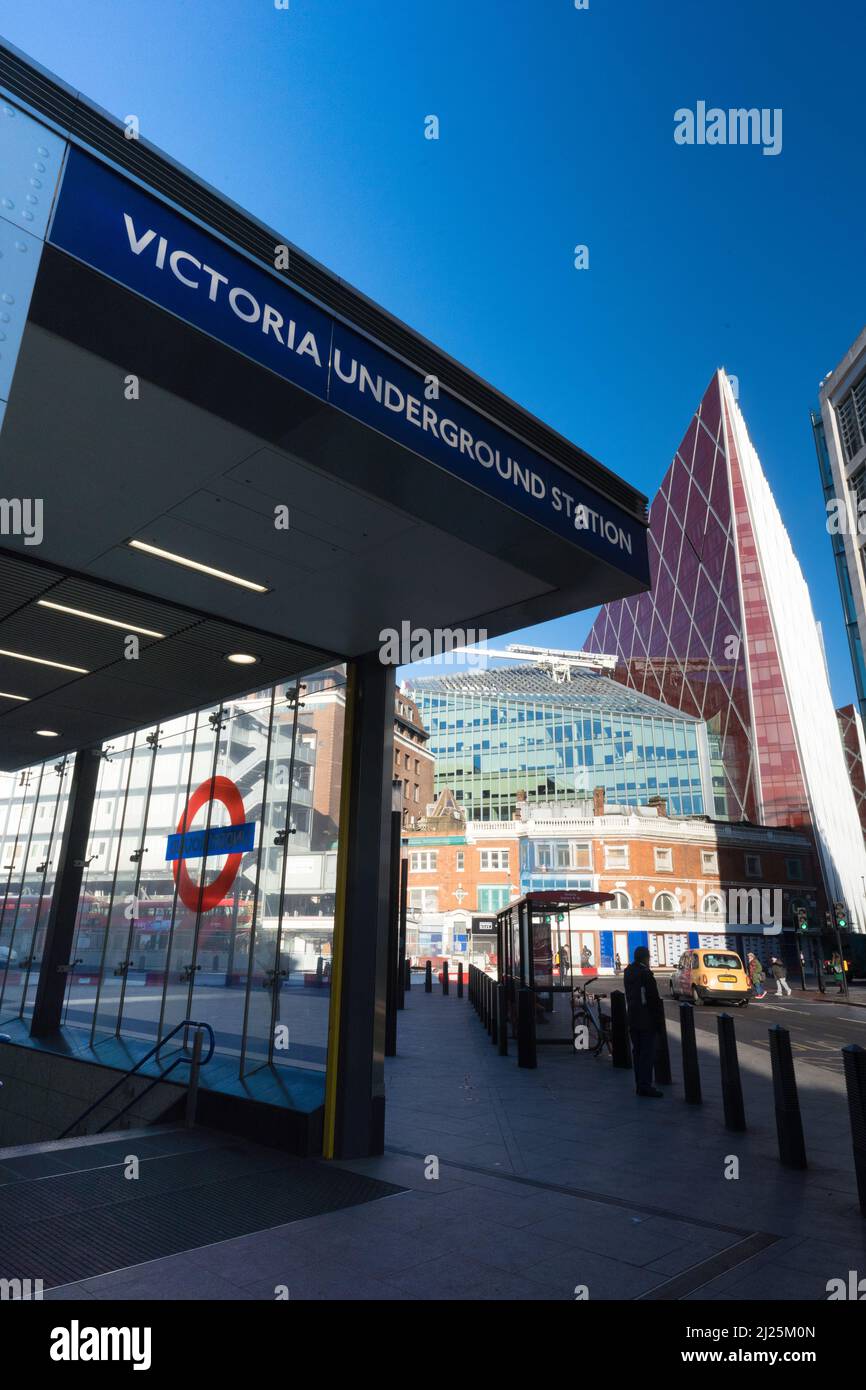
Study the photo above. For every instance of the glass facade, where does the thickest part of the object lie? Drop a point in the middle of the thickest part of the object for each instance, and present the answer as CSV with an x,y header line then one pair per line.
x,y
509,732
702,638
209,885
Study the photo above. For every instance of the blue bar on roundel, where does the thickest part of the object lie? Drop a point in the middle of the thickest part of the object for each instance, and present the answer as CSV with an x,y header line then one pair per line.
x,y
221,839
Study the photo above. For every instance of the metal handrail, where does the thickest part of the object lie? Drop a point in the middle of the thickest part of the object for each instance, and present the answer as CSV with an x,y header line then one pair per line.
x,y
154,1051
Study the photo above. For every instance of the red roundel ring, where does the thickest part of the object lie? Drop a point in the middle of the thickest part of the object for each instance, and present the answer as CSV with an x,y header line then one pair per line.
x,y
208,896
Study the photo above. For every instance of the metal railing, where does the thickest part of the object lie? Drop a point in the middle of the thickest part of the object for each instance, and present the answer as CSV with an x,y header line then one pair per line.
x,y
194,1062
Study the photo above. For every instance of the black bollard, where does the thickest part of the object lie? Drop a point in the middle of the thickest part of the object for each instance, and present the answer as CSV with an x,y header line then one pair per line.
x,y
526,1052
854,1060
691,1066
485,1012
460,979
732,1088
789,1125
428,977
619,1039
662,1060
407,973
444,977
502,1014
494,1012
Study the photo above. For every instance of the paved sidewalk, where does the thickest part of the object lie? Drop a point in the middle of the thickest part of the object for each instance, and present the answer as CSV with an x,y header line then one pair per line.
x,y
550,1181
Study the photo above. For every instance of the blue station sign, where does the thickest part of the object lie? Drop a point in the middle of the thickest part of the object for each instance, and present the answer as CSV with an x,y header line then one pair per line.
x,y
219,839
124,232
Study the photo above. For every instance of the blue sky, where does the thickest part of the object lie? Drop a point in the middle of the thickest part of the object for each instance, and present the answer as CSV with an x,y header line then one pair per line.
x,y
556,128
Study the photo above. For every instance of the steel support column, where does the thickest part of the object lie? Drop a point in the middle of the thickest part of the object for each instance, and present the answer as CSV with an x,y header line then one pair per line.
x,y
60,931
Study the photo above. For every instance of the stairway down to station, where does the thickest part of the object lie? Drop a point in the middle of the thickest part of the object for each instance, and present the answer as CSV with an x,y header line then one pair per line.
x,y
82,1207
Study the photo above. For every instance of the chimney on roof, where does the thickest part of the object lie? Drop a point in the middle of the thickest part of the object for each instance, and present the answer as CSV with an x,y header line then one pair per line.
x,y
598,801
660,804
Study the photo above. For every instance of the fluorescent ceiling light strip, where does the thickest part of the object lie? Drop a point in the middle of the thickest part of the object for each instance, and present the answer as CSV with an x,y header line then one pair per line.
x,y
97,618
197,565
43,661
4,695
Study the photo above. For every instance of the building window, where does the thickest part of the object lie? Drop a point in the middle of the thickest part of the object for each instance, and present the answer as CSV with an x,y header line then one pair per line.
x,y
423,861
424,899
417,792
709,861
616,856
492,899
852,419
713,904
664,859
544,856
494,859
753,866
459,858
665,902
621,903
794,869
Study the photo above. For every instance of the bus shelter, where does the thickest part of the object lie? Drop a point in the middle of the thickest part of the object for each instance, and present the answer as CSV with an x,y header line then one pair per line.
x,y
543,945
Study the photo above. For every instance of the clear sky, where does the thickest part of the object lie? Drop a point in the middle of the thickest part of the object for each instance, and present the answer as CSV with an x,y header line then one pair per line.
x,y
556,129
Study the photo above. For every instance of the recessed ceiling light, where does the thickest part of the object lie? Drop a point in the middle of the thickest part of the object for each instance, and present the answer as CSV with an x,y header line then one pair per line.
x,y
4,695
242,659
197,565
97,618
47,733
43,661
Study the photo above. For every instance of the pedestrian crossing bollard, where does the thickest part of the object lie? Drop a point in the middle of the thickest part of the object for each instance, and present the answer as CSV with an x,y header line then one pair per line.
x,y
732,1086
460,979
444,977
619,1040
428,977
691,1066
502,1015
789,1125
526,1050
854,1060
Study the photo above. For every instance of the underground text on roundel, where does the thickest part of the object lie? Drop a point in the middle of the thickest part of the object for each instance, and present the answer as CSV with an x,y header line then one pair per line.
x,y
146,246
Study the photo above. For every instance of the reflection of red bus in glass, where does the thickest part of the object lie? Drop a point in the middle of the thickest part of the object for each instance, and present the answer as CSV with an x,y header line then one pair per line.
x,y
20,915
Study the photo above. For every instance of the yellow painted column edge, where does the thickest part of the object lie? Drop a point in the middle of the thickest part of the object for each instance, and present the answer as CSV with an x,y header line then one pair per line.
x,y
346,812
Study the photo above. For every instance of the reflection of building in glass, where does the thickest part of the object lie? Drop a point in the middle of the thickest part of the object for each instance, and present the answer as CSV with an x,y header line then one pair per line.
x,y
170,919
727,634
531,731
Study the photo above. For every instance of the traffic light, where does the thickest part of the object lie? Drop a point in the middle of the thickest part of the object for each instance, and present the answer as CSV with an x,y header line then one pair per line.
x,y
840,914
801,919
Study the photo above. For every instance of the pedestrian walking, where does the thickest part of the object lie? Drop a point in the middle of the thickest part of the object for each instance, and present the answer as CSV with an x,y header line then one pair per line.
x,y
618,964
645,1019
564,964
780,975
837,969
756,975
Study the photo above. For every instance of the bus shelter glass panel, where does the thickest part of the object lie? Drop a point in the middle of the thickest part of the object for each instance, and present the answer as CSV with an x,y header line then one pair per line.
x,y
33,807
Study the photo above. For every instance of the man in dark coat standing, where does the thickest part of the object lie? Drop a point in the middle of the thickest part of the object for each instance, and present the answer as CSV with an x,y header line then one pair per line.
x,y
645,1017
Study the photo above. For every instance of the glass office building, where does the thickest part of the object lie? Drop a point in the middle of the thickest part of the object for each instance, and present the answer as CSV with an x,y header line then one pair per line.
x,y
209,880
525,731
726,632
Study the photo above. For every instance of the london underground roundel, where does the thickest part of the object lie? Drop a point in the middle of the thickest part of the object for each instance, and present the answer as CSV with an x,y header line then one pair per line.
x,y
230,839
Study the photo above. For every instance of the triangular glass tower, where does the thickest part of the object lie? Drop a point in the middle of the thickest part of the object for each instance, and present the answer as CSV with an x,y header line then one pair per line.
x,y
727,633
